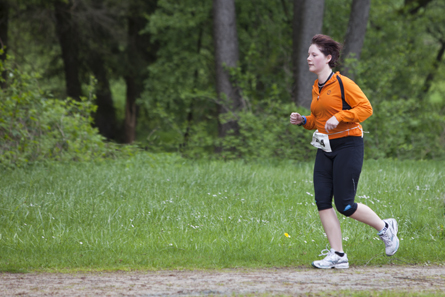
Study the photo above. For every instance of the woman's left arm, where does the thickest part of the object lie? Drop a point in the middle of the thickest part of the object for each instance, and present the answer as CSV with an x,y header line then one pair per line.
x,y
361,108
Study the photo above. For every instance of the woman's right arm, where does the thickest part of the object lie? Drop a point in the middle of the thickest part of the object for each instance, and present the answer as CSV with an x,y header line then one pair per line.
x,y
306,121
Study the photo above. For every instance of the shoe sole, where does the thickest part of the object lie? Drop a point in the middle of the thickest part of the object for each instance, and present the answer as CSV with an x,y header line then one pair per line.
x,y
337,266
396,228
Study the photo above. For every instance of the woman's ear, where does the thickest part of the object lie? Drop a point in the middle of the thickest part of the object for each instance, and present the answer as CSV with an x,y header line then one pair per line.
x,y
329,58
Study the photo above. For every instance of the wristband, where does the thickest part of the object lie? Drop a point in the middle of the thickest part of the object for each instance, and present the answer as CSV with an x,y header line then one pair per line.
x,y
303,122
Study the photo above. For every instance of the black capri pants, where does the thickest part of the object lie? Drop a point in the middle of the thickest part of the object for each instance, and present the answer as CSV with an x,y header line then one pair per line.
x,y
337,174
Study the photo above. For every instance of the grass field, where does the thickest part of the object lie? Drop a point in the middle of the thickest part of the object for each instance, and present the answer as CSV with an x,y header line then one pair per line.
x,y
164,212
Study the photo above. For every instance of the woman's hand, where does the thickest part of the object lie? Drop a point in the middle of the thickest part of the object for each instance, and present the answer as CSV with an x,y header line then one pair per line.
x,y
296,118
332,123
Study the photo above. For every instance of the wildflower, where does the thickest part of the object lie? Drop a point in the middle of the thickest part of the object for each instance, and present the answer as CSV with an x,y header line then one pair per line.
x,y
287,235
81,242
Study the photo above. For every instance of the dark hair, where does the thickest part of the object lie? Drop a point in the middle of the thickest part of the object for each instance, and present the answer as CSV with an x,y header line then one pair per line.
x,y
328,46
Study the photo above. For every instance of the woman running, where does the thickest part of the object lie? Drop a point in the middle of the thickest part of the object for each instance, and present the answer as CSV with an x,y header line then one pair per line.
x,y
337,109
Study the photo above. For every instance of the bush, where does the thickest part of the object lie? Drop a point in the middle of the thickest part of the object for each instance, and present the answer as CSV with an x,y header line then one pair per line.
x,y
36,127
265,133
406,129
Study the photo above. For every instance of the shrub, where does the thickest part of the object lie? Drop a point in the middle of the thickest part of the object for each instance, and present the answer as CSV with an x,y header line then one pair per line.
x,y
36,127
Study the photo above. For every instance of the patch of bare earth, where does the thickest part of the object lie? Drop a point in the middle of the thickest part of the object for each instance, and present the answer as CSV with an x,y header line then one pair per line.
x,y
280,281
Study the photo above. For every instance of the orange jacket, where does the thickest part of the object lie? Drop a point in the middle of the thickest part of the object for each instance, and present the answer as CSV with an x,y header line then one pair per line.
x,y
350,113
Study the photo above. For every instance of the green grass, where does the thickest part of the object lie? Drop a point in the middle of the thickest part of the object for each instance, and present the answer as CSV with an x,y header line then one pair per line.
x,y
164,212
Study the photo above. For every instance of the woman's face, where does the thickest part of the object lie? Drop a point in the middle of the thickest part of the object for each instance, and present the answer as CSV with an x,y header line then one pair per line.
x,y
316,60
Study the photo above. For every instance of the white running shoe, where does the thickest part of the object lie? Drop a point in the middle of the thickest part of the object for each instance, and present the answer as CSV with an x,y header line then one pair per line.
x,y
390,237
332,260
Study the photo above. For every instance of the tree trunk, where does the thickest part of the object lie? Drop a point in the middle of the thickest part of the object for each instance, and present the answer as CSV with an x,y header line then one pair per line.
x,y
430,77
226,56
307,22
4,21
134,90
196,76
132,80
355,35
140,53
105,116
68,38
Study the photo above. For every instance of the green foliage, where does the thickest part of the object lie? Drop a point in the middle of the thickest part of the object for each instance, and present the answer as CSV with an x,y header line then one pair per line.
x,y
35,127
180,101
265,136
262,135
179,111
406,129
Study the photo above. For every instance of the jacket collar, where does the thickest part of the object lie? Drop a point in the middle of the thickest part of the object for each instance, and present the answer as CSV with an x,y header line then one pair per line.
x,y
332,80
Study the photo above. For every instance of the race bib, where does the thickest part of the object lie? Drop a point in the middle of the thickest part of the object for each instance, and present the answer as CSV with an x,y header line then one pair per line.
x,y
321,141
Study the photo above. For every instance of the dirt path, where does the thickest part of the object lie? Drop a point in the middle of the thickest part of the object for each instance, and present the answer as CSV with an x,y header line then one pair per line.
x,y
225,282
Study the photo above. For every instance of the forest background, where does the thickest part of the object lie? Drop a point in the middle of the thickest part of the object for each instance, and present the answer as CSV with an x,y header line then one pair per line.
x,y
211,79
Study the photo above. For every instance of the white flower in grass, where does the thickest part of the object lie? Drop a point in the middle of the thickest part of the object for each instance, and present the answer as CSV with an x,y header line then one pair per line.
x,y
305,241
170,244
43,237
214,195
132,226
81,242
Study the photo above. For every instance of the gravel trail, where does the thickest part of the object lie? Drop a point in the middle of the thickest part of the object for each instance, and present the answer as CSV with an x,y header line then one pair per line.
x,y
227,282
